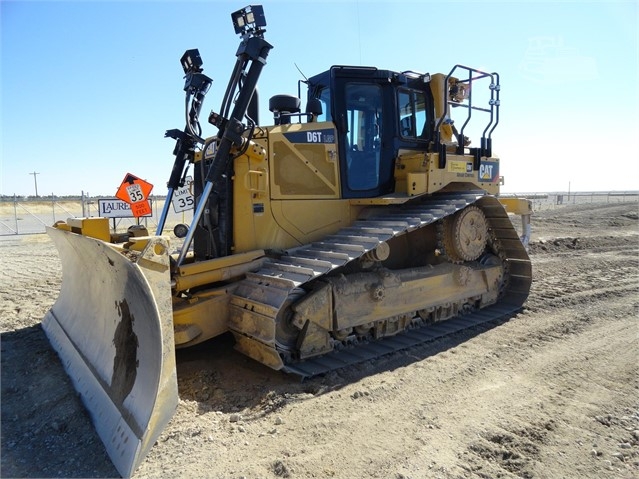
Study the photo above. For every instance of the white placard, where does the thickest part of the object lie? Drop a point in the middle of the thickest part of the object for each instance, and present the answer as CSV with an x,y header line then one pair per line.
x,y
183,198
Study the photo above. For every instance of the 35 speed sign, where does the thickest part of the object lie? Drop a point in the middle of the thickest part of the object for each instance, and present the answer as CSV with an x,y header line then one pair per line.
x,y
183,198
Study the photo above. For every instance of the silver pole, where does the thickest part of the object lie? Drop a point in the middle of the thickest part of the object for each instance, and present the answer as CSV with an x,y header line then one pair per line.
x,y
15,211
165,212
35,181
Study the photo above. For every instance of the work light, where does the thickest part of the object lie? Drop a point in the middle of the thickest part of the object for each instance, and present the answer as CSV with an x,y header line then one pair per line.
x,y
248,19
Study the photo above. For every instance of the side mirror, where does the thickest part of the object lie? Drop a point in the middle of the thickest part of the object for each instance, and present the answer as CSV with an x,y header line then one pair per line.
x,y
314,107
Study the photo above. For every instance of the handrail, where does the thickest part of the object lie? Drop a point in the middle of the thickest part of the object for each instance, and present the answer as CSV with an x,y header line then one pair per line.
x,y
474,75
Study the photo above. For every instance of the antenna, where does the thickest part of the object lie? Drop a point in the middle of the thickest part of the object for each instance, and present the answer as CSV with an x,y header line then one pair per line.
x,y
298,69
359,34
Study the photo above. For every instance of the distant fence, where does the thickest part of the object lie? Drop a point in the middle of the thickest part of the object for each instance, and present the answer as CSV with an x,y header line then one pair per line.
x,y
545,201
29,215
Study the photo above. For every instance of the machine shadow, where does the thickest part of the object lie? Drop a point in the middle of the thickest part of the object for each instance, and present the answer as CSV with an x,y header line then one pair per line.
x,y
218,378
46,431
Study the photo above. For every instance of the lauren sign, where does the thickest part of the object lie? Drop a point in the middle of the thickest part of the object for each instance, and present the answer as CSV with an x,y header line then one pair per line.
x,y
113,208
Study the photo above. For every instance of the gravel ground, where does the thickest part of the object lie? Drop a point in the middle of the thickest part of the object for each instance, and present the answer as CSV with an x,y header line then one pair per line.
x,y
551,392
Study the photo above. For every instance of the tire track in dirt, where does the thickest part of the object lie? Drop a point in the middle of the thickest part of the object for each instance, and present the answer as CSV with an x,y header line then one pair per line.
x,y
584,350
565,381
600,268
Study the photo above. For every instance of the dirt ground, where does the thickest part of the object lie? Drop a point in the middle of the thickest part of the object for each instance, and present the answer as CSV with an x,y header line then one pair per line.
x,y
553,392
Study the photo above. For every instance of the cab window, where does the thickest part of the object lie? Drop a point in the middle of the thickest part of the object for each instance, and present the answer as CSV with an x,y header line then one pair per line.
x,y
412,114
325,97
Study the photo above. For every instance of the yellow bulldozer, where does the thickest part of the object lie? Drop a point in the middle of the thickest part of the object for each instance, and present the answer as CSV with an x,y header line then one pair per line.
x,y
365,224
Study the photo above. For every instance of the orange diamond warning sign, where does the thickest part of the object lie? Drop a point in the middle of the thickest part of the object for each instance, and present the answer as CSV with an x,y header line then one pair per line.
x,y
135,192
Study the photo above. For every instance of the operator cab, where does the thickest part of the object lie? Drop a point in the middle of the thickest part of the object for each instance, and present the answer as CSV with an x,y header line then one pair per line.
x,y
376,113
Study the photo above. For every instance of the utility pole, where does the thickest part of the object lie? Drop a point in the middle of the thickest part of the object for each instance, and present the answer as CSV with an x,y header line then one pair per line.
x,y
35,180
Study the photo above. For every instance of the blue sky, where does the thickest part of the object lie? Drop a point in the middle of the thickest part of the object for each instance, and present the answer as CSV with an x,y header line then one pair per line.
x,y
88,88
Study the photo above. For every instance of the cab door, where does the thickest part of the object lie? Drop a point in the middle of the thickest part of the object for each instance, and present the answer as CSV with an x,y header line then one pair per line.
x,y
365,130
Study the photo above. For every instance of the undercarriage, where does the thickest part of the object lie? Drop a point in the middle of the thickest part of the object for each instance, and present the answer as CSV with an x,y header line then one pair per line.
x,y
397,272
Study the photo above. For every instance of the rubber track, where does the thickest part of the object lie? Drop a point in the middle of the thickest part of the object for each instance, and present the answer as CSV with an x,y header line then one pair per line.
x,y
264,292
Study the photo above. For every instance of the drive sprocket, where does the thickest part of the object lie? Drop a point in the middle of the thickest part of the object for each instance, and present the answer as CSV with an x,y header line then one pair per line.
x,y
465,235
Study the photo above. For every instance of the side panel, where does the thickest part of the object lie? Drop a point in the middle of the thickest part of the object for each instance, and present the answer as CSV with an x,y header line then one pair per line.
x,y
459,170
303,161
292,196
309,221
250,200
254,226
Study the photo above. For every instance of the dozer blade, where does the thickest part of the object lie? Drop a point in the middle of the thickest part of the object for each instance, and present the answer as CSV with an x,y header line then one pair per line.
x,y
112,328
